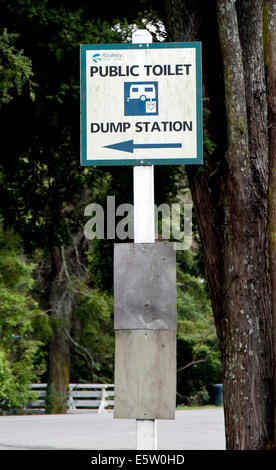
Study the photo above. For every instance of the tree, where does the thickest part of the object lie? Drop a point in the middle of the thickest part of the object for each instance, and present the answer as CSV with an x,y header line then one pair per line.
x,y
270,64
44,188
20,318
42,181
231,200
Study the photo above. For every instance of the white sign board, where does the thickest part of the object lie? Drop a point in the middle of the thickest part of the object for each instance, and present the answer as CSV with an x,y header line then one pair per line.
x,y
141,104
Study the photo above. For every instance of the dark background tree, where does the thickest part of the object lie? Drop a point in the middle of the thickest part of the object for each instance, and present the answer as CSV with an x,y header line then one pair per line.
x,y
44,190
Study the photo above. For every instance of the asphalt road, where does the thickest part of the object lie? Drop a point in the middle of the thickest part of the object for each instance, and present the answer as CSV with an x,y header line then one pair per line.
x,y
191,430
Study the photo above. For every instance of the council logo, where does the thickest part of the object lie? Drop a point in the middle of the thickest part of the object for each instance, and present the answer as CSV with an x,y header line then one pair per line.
x,y
96,58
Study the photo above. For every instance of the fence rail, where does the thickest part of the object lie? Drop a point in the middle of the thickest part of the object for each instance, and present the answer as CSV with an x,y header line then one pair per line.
x,y
81,397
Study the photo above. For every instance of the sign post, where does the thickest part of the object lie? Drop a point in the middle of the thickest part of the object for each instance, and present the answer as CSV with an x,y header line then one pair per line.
x,y
141,106
144,232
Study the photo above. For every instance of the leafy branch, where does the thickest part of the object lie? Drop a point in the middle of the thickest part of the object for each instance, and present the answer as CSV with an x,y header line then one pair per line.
x,y
15,69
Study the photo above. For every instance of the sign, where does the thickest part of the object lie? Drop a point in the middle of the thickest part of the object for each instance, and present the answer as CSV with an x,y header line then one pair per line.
x,y
141,104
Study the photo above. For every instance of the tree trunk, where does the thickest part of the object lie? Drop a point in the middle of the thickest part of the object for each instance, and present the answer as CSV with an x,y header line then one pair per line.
x,y
61,303
67,272
269,23
247,356
231,204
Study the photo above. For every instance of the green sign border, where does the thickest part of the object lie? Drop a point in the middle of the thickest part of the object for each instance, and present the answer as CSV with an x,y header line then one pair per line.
x,y
145,161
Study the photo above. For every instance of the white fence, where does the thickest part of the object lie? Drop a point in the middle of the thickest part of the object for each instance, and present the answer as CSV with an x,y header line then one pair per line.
x,y
81,397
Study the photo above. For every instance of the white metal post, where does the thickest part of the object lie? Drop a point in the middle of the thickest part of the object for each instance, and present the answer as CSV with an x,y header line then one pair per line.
x,y
143,190
146,431
144,232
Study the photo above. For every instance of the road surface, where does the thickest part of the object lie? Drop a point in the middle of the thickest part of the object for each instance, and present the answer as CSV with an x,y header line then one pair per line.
x,y
191,430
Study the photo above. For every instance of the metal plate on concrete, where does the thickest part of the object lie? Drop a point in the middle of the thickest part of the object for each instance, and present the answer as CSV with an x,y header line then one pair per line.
x,y
145,374
144,286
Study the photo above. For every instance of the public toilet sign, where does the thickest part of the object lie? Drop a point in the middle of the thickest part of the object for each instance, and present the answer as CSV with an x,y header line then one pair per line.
x,y
141,104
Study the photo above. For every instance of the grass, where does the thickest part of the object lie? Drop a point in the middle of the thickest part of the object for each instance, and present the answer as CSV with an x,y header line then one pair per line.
x,y
203,407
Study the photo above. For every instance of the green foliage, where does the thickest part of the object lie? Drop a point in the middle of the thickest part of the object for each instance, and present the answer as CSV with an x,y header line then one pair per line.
x,y
100,257
208,145
198,356
201,398
41,175
19,365
15,69
93,351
